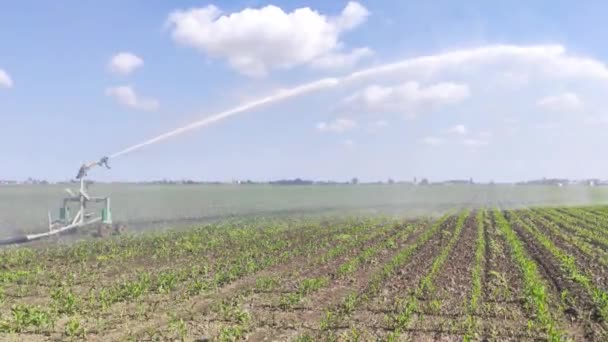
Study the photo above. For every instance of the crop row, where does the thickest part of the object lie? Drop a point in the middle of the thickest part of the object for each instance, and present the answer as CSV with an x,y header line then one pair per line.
x,y
568,264
535,289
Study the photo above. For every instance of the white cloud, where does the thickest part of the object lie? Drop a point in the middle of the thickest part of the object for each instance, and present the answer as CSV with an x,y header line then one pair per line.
x,y
458,129
596,120
127,96
124,63
551,125
381,123
565,102
409,98
341,60
474,142
5,80
337,126
253,41
432,141
348,143
485,134
353,15
513,80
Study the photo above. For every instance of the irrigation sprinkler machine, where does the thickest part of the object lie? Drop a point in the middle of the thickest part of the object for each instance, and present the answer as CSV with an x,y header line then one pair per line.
x,y
73,214
77,212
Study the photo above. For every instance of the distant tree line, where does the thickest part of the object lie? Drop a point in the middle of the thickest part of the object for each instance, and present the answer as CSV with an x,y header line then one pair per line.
x,y
353,181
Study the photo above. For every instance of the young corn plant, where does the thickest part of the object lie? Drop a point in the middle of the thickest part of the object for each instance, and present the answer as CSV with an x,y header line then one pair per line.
x,y
25,316
374,284
535,291
476,294
568,264
409,305
64,301
73,328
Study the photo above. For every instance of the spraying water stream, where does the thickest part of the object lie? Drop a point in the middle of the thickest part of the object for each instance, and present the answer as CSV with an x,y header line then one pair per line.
x,y
281,95
278,96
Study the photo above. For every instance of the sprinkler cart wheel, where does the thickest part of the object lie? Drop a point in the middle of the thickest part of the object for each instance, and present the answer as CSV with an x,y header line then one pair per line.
x,y
104,231
119,228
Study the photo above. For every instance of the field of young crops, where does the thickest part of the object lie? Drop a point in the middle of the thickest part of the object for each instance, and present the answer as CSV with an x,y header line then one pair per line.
x,y
527,274
23,208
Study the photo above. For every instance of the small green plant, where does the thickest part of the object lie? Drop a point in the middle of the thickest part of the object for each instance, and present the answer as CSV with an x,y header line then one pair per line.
x,y
328,320
288,301
266,283
353,335
230,310
73,328
393,336
535,292
349,303
65,302
402,318
229,334
304,338
166,282
311,285
198,287
435,306
27,316
178,326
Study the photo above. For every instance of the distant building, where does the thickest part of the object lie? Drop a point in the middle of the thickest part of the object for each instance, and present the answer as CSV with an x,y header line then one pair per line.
x,y
296,181
457,181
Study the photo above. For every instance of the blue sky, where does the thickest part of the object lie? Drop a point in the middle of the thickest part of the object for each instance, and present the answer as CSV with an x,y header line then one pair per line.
x,y
501,90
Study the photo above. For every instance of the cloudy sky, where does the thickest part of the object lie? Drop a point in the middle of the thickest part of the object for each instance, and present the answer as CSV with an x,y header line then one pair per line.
x,y
501,90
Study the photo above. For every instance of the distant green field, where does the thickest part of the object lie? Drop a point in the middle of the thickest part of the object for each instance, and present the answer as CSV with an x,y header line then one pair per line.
x,y
23,208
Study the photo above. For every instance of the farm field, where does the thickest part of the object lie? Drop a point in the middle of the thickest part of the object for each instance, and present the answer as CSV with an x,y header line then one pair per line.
x,y
23,208
474,274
